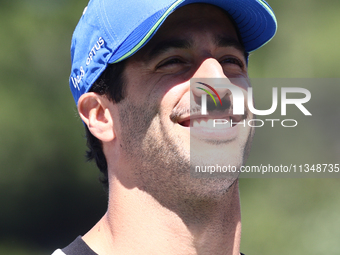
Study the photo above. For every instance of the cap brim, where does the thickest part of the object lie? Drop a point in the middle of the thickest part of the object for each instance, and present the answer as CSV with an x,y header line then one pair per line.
x,y
255,21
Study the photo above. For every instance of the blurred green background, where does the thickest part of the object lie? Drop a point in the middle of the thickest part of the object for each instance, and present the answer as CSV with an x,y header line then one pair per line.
x,y
49,194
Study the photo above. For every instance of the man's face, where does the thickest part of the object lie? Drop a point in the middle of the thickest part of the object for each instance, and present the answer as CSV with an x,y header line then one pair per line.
x,y
153,128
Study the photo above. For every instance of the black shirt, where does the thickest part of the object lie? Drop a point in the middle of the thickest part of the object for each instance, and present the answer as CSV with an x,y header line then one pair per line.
x,y
78,246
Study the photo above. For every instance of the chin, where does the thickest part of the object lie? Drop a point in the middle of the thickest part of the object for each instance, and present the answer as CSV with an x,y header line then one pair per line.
x,y
210,189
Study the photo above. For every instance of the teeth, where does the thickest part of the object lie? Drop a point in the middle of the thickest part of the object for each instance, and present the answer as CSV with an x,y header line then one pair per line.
x,y
209,123
222,124
204,123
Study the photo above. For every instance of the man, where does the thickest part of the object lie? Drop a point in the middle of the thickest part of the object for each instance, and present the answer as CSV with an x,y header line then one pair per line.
x,y
138,118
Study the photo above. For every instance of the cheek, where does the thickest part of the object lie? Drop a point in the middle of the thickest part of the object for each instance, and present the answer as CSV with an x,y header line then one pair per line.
x,y
174,96
242,83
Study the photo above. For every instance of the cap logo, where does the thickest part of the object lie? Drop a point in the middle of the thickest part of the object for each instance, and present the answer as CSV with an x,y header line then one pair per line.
x,y
94,50
78,79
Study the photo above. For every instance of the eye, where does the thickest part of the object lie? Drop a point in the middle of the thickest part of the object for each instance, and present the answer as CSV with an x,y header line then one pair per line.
x,y
232,61
170,62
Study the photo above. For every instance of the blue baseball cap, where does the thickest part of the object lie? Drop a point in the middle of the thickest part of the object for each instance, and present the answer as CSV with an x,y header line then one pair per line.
x,y
110,31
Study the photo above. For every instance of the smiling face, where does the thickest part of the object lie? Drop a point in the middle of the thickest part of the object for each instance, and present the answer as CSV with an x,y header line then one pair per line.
x,y
153,127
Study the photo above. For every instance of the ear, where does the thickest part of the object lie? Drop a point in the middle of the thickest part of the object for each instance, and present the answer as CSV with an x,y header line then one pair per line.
x,y
94,111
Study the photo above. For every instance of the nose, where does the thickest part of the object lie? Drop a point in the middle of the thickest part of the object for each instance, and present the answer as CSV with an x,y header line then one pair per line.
x,y
210,69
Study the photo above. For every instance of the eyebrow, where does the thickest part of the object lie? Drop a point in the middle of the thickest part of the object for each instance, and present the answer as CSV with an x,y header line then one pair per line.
x,y
164,46
225,41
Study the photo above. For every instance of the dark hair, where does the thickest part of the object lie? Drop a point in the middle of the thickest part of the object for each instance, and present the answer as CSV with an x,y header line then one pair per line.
x,y
111,84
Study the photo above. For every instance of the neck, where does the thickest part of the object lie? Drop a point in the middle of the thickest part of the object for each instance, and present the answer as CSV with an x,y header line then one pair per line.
x,y
137,223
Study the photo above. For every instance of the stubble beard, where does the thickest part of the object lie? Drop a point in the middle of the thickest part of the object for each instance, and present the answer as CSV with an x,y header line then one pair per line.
x,y
159,164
